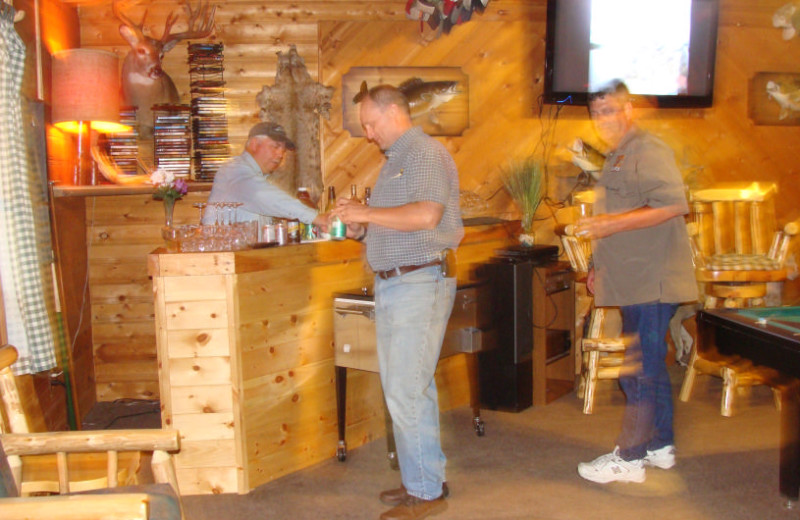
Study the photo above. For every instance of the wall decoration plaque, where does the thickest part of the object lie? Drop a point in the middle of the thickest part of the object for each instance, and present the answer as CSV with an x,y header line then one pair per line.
x,y
774,98
438,96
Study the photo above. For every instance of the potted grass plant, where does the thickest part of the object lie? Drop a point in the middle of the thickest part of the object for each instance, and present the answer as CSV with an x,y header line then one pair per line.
x,y
523,179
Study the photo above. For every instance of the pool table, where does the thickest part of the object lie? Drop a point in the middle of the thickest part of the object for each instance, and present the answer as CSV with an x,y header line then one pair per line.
x,y
769,337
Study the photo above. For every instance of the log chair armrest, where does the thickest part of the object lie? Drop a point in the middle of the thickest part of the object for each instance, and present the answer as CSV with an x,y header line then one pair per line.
x,y
8,355
90,441
125,506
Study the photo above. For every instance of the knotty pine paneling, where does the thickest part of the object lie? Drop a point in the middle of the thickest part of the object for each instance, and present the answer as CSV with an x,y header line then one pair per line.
x,y
502,52
121,232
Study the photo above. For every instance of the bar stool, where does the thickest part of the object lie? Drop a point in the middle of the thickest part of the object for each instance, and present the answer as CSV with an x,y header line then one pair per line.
x,y
603,352
602,348
737,252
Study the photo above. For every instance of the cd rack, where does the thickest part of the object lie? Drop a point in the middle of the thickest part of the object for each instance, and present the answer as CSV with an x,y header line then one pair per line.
x,y
172,139
209,109
123,147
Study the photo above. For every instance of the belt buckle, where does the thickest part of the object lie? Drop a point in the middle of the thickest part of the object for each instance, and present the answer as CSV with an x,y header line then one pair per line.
x,y
389,273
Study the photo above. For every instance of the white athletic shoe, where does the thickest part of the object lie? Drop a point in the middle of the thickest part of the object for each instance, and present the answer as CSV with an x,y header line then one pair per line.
x,y
612,468
663,458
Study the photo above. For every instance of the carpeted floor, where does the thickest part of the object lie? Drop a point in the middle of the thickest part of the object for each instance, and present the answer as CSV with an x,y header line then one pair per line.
x,y
524,468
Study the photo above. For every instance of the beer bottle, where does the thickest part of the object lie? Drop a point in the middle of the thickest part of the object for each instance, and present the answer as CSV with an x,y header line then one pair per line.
x,y
354,193
367,195
331,203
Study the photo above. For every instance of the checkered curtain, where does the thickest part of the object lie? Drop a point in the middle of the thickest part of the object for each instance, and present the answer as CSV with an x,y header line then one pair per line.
x,y
27,320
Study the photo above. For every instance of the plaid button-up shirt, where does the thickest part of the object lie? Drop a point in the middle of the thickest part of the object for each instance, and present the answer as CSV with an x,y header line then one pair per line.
x,y
418,168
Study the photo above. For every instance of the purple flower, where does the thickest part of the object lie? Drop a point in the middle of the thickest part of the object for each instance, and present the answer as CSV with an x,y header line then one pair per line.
x,y
180,186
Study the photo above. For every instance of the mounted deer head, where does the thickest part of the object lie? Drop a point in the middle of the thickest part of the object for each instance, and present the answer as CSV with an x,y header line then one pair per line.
x,y
144,82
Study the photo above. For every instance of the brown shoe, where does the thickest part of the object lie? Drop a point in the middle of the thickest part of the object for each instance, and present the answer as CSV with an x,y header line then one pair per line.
x,y
394,497
414,508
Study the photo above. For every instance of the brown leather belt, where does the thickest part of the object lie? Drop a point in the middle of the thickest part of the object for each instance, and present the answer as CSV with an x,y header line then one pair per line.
x,y
404,269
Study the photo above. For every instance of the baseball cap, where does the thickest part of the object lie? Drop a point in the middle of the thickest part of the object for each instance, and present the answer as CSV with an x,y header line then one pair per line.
x,y
274,131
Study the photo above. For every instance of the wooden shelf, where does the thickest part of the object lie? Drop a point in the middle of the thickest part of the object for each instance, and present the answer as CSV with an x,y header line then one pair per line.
x,y
115,189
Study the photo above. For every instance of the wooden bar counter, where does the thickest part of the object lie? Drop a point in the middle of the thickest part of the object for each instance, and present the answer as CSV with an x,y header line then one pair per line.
x,y
245,353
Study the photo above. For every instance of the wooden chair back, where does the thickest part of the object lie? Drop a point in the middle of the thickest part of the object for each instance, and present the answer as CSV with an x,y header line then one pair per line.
x,y
733,225
737,245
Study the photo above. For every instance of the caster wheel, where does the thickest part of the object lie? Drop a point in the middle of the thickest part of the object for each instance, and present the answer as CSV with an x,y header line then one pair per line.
x,y
341,452
393,462
479,426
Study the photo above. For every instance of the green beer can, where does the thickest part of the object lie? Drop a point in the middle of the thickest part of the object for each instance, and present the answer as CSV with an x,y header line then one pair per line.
x,y
338,229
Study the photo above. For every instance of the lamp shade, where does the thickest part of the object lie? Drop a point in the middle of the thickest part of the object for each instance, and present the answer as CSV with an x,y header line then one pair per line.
x,y
86,89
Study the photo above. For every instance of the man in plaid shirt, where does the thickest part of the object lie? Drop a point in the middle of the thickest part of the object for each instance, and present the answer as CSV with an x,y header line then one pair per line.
x,y
411,224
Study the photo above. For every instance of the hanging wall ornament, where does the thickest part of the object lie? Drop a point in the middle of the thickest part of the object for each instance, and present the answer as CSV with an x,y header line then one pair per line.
x,y
442,15
787,17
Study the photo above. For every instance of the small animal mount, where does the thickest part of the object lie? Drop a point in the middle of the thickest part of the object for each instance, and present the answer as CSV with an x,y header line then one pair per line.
x,y
297,102
787,17
787,95
144,82
774,98
438,97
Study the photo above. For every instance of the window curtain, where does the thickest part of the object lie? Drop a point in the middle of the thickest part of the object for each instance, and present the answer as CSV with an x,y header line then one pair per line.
x,y
28,322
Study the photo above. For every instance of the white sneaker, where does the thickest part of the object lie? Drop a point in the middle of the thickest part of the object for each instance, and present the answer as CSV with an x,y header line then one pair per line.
x,y
663,458
611,468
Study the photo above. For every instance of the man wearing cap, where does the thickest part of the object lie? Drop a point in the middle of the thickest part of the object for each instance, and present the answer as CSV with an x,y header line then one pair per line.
x,y
245,179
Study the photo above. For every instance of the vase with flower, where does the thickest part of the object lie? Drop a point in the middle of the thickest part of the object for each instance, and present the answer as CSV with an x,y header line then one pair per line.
x,y
169,189
523,179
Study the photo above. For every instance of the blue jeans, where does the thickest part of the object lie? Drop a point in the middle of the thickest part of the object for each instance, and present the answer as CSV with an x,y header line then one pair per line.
x,y
647,421
411,313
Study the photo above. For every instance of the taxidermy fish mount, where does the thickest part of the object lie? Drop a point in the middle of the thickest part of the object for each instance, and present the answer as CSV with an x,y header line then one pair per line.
x,y
424,97
787,95
586,157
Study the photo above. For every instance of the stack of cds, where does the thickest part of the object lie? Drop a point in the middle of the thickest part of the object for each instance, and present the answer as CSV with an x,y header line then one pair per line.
x,y
172,139
209,108
123,147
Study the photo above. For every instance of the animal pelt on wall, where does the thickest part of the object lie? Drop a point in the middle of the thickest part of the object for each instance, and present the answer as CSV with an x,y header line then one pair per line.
x,y
297,102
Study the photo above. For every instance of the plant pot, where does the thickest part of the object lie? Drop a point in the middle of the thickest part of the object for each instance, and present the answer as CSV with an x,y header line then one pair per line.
x,y
526,239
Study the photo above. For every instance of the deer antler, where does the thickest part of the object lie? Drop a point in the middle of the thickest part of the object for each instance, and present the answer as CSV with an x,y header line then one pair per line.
x,y
137,28
204,12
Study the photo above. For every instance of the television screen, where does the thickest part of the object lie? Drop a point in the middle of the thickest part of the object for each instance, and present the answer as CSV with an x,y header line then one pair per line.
x,y
662,49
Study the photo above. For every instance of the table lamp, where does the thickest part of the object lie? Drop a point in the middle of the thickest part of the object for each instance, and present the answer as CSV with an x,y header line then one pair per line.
x,y
86,97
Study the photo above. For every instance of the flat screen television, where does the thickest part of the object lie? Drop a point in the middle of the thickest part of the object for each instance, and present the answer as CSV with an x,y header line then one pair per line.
x,y
664,50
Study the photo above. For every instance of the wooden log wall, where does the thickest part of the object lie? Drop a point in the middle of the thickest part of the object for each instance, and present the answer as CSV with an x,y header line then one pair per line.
x,y
121,232
502,52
